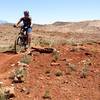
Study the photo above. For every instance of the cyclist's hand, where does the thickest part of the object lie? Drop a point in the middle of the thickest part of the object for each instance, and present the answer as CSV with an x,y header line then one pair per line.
x,y
15,25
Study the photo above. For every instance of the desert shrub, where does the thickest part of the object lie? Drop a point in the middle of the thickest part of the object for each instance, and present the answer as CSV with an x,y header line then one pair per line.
x,y
59,73
84,71
2,93
55,55
47,72
19,75
70,68
26,59
46,95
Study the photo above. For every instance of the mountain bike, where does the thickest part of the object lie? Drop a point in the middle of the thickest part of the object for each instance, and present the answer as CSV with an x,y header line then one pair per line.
x,y
21,41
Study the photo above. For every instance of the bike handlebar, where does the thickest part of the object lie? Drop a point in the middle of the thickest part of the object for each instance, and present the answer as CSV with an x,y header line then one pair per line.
x,y
19,26
16,26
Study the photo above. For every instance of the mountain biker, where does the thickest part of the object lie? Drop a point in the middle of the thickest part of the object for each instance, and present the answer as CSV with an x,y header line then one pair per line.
x,y
27,22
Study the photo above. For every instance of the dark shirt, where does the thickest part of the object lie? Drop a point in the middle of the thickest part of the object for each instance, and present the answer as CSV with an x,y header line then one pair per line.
x,y
26,21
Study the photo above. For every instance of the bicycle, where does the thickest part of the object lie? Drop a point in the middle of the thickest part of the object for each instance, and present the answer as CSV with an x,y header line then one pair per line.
x,y
21,41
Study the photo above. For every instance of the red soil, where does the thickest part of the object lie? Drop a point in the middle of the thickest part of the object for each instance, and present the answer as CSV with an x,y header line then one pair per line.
x,y
65,87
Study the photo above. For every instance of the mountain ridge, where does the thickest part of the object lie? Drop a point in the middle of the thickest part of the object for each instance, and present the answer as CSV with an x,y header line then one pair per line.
x,y
92,26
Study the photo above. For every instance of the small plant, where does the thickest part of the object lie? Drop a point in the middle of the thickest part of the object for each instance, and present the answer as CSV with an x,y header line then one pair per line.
x,y
58,73
84,70
70,68
6,92
47,95
19,75
44,42
47,72
72,42
26,59
55,55
2,94
87,62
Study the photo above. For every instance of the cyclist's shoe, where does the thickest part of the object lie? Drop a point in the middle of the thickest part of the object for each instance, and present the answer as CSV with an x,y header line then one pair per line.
x,y
23,50
28,51
27,46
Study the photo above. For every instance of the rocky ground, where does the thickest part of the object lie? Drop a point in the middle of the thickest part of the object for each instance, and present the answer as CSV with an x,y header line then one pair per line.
x,y
70,72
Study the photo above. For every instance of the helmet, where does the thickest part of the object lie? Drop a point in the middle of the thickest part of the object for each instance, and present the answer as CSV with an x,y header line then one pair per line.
x,y
26,13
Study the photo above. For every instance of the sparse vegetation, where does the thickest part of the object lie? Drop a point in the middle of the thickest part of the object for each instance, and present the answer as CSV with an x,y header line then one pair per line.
x,y
26,59
9,48
2,94
84,71
44,42
59,73
72,41
39,41
47,95
6,93
47,72
19,75
70,68
55,55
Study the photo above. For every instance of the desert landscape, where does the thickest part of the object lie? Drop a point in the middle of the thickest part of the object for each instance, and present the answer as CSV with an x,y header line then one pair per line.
x,y
70,72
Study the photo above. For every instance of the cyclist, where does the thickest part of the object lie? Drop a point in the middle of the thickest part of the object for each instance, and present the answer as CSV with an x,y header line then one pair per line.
x,y
27,22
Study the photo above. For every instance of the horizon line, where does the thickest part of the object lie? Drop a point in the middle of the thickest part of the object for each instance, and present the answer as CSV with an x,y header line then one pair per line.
x,y
70,21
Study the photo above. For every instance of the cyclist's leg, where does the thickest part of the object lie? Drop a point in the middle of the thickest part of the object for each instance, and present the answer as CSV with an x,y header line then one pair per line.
x,y
29,32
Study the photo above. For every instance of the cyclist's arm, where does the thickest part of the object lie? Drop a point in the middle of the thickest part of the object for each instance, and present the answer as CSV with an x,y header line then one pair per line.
x,y
31,21
19,22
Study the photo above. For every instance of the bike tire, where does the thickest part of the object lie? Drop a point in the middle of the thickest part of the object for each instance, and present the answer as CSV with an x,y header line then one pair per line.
x,y
18,45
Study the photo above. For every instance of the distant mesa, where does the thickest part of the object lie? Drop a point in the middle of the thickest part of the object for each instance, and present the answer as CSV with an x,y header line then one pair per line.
x,y
58,23
3,22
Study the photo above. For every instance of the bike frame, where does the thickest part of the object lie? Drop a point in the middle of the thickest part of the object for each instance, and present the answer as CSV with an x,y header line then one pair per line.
x,y
22,39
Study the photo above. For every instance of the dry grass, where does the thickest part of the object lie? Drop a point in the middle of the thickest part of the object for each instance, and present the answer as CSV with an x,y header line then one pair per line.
x,y
26,59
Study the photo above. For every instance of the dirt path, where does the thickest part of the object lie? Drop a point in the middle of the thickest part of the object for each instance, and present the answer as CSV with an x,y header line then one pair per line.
x,y
6,60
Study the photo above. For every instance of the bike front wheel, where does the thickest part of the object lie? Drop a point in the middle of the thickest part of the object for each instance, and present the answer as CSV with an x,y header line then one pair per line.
x,y
19,47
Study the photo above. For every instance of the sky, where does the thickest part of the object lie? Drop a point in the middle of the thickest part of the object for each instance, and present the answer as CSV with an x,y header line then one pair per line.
x,y
49,11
